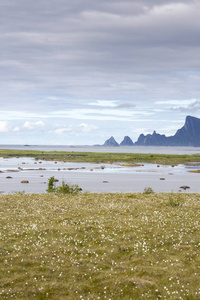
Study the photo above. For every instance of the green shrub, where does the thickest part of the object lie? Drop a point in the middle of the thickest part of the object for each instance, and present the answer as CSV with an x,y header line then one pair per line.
x,y
63,189
174,200
68,189
51,187
148,191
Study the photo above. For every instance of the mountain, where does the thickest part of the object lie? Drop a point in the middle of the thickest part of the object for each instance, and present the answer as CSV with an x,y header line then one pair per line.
x,y
111,142
154,139
127,141
188,135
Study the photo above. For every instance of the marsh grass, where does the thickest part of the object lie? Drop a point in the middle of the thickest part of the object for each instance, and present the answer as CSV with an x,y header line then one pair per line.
x,y
100,246
98,157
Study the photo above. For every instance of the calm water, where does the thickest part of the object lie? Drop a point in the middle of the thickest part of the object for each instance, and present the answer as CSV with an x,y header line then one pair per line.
x,y
132,149
94,177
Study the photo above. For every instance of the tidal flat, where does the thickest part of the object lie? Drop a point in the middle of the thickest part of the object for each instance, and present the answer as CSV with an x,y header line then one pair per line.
x,y
98,171
31,175
100,246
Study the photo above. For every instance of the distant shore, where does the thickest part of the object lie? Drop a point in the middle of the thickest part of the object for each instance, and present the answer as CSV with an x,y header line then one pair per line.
x,y
103,157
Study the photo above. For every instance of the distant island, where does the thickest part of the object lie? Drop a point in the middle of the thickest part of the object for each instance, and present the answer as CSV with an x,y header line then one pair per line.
x,y
188,135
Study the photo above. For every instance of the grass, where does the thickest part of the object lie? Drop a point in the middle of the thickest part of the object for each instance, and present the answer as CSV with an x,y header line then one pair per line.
x,y
100,246
131,158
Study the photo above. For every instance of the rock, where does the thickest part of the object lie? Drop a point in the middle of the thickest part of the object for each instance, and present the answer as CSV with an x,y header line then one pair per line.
x,y
9,177
55,180
162,178
184,187
24,181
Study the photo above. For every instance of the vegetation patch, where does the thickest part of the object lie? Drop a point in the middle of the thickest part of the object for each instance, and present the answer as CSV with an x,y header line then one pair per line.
x,y
98,157
63,189
100,246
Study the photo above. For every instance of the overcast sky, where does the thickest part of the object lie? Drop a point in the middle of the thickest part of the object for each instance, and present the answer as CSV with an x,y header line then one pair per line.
x,y
77,72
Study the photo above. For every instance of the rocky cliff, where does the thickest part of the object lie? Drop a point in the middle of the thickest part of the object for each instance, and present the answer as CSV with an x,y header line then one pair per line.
x,y
188,135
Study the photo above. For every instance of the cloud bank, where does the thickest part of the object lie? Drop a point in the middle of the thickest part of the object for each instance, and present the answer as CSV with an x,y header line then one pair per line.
x,y
75,72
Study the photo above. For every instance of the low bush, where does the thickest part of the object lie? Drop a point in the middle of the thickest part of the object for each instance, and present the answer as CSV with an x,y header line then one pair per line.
x,y
51,187
63,189
148,190
174,200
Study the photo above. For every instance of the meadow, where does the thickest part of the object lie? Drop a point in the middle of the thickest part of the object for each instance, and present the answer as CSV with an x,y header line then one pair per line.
x,y
98,157
100,246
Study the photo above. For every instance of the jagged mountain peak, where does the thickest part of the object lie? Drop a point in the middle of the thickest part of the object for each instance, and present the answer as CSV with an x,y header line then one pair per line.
x,y
127,141
111,142
188,135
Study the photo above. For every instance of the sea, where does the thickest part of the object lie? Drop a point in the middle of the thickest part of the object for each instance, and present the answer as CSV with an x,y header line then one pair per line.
x,y
97,148
96,178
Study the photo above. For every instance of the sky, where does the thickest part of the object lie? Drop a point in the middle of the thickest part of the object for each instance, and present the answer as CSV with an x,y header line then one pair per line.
x,y
77,72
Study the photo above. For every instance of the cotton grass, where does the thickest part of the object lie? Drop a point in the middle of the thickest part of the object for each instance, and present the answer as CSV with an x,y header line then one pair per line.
x,y
100,246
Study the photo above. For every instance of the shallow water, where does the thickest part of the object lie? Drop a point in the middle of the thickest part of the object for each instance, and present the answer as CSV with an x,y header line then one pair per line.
x,y
94,177
124,149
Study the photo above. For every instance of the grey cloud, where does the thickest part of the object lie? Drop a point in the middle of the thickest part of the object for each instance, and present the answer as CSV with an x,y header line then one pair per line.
x,y
60,54
192,107
126,105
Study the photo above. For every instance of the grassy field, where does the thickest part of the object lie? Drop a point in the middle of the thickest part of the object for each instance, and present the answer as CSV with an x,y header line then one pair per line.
x,y
100,246
103,157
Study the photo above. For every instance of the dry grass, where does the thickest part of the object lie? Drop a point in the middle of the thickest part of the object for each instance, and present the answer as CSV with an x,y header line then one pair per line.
x,y
100,246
